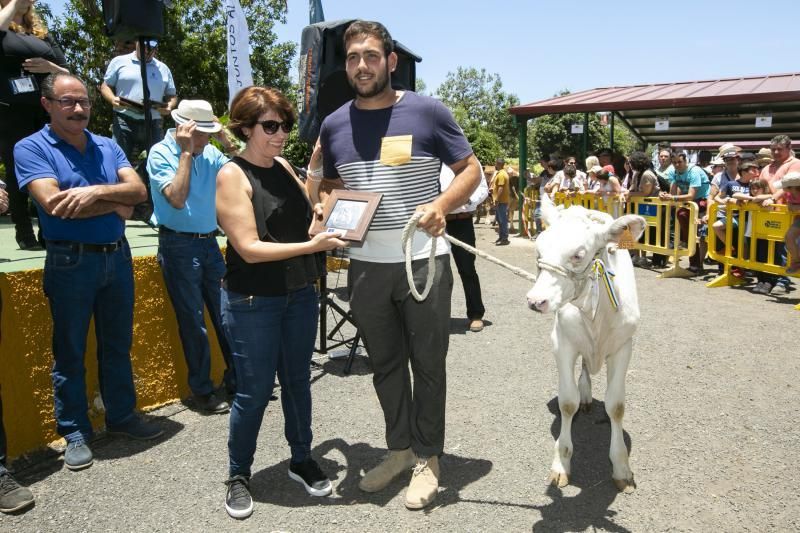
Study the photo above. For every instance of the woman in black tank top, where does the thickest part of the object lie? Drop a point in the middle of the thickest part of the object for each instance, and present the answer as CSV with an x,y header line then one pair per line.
x,y
270,306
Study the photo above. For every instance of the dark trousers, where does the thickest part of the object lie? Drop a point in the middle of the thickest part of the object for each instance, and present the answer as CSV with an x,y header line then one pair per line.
x,y
398,330
2,428
131,134
193,270
463,230
270,335
81,285
16,123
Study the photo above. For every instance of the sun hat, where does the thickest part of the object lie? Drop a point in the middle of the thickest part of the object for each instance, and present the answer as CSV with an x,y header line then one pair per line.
x,y
718,161
764,155
198,110
729,154
727,147
792,179
595,169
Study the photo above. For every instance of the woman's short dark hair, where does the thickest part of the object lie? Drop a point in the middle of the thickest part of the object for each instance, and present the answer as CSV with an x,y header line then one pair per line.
x,y
370,29
639,161
252,102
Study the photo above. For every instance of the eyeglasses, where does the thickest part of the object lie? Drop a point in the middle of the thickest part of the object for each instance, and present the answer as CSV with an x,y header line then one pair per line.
x,y
271,126
70,103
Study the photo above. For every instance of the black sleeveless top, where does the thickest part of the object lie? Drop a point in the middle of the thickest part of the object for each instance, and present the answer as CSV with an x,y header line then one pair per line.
x,y
283,214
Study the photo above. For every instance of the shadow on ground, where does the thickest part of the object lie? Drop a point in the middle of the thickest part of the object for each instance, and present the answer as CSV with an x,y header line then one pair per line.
x,y
591,473
272,485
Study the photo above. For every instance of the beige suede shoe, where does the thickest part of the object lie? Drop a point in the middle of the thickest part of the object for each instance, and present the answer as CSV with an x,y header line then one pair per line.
x,y
424,484
397,462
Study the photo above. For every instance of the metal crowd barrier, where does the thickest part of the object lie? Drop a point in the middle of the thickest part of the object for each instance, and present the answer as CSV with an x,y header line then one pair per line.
x,y
753,233
662,224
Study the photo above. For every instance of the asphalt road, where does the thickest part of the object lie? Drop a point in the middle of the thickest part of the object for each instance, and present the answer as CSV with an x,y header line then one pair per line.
x,y
710,421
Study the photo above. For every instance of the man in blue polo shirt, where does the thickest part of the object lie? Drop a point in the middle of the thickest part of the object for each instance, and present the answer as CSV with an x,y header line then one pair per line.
x,y
123,80
84,189
689,184
183,170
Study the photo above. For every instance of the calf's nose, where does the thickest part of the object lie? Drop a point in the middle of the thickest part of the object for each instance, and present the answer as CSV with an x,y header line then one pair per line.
x,y
538,305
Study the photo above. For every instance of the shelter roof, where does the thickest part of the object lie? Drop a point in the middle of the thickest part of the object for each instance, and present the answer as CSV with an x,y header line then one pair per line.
x,y
705,110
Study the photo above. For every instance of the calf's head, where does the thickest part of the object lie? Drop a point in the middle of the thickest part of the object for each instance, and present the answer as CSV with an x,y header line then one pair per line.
x,y
565,251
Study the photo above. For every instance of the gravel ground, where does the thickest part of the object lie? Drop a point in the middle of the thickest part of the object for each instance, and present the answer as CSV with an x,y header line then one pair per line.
x,y
709,421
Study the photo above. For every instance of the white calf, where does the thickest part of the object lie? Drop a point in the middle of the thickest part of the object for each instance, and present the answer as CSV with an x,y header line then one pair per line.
x,y
596,316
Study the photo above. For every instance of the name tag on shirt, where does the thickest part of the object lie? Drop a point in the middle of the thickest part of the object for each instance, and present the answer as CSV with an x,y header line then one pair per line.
x,y
396,150
23,85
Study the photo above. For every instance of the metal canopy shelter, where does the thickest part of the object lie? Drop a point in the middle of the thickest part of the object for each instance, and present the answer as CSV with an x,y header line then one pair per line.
x,y
698,111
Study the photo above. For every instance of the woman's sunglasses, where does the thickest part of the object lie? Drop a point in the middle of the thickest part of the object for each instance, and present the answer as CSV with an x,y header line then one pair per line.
x,y
271,126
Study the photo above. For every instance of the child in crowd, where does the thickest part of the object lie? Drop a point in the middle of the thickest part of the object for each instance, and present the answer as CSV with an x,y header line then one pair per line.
x,y
790,184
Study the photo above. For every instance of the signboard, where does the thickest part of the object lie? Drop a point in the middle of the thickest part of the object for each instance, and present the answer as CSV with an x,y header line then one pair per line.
x,y
577,128
764,119
662,123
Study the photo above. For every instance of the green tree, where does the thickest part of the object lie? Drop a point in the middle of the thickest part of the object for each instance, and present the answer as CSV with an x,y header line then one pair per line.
x,y
485,144
193,46
551,134
481,97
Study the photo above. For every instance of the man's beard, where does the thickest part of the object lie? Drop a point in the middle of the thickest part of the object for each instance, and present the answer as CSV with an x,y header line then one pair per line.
x,y
381,82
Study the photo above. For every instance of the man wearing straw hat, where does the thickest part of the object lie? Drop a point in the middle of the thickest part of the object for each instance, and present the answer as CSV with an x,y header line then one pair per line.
x,y
183,169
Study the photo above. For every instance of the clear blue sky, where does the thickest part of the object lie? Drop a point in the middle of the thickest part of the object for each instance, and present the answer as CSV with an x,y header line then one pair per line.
x,y
541,47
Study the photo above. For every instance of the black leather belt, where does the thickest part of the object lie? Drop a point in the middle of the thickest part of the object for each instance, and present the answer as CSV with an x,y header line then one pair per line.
x,y
209,235
458,216
103,248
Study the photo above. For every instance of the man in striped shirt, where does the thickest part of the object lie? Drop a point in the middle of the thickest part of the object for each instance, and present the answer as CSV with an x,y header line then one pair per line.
x,y
394,142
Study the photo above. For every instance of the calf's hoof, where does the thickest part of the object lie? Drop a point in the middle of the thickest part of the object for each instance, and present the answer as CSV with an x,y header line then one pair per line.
x,y
558,479
625,485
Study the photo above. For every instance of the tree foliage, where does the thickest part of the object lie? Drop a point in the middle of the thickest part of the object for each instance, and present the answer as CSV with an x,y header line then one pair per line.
x,y
551,135
480,106
194,47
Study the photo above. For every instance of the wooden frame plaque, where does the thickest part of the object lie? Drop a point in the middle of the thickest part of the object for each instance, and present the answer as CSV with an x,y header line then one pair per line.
x,y
348,212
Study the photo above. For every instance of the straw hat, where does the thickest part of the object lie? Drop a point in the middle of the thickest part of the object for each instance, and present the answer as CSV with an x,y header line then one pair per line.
x,y
764,156
198,110
792,179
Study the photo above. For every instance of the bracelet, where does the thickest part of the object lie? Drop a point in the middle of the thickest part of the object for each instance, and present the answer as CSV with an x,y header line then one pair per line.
x,y
314,172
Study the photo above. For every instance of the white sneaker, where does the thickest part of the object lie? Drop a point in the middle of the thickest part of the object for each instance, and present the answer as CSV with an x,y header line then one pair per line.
x,y
763,287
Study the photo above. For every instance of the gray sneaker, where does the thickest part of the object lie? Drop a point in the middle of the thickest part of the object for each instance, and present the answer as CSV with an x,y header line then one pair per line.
x,y
78,455
13,497
238,502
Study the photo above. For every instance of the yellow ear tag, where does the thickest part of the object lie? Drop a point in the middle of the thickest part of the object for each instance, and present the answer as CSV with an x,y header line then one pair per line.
x,y
626,241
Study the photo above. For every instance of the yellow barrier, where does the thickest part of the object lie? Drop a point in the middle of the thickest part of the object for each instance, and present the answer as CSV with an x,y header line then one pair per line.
x,y
767,225
26,355
657,213
530,201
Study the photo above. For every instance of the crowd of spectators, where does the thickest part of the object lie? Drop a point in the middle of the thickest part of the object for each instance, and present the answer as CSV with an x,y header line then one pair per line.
x,y
729,176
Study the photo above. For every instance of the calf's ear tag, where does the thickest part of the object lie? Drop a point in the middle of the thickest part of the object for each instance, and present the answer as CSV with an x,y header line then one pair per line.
x,y
626,241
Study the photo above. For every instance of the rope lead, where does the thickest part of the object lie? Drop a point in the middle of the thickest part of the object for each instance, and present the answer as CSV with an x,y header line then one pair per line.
x,y
408,232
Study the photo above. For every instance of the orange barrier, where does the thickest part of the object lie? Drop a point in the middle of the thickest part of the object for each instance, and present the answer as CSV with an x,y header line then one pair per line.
x,y
767,227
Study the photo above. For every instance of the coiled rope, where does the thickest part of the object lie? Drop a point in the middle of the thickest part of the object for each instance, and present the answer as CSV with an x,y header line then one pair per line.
x,y
408,232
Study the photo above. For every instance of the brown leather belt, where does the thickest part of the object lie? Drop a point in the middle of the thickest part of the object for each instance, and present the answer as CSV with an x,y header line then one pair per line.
x,y
458,216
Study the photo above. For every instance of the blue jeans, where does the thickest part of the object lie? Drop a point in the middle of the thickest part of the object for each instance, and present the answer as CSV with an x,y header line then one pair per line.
x,y
501,214
130,134
193,270
79,284
270,334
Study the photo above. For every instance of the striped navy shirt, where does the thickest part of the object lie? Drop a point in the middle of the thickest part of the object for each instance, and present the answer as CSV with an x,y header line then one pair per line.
x,y
397,151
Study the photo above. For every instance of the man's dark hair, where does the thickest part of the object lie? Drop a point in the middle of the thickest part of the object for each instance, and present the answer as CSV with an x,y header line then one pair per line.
x,y
553,163
681,155
370,29
703,157
783,140
47,87
639,161
605,151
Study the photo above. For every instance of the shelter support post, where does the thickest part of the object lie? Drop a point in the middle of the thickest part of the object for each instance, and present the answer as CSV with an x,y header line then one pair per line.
x,y
611,132
585,147
522,128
